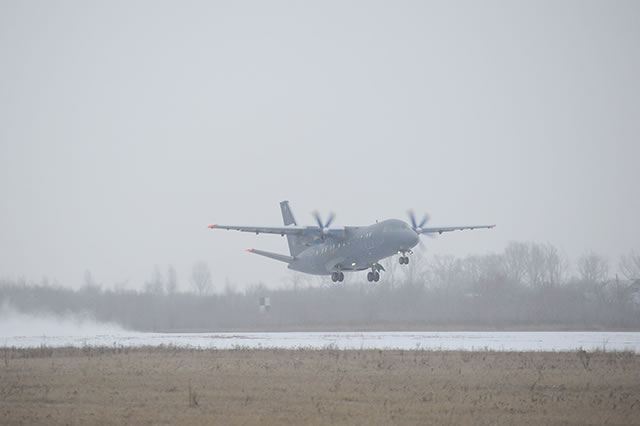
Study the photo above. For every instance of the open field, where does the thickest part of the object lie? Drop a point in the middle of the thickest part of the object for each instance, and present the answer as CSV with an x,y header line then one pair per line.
x,y
167,385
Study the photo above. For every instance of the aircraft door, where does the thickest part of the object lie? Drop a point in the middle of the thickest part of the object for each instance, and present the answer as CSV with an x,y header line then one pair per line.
x,y
368,241
373,239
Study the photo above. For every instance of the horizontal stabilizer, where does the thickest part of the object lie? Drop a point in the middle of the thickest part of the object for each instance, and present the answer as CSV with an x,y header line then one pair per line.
x,y
276,256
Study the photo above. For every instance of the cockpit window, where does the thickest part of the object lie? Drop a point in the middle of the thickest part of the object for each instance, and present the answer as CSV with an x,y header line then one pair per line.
x,y
397,226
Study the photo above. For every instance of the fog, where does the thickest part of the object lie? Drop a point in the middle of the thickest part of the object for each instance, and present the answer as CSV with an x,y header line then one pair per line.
x,y
16,323
127,127
526,287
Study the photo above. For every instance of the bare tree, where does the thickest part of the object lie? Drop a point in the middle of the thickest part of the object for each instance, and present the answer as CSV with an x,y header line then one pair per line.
x,y
534,264
229,287
488,273
88,279
515,260
630,266
445,270
414,272
155,285
543,265
172,280
592,267
390,265
321,281
201,278
555,265
297,280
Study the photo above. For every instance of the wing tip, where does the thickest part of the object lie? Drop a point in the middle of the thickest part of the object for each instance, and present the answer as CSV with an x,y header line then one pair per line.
x,y
211,226
250,250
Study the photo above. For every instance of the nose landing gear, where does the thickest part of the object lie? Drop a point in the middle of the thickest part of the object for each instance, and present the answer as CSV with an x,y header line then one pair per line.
x,y
337,276
404,259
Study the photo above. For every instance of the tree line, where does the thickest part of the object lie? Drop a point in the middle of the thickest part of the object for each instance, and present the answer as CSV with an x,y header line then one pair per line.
x,y
527,286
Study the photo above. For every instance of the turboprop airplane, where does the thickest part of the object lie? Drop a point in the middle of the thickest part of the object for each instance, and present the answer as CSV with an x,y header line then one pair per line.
x,y
321,250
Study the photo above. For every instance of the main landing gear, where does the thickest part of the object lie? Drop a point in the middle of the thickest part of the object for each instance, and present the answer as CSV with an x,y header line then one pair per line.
x,y
337,276
404,259
374,274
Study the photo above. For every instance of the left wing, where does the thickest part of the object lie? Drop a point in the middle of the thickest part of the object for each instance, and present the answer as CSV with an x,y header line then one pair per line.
x,y
282,230
452,228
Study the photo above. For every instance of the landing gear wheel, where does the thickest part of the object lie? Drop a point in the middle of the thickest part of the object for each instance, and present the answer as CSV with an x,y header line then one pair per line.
x,y
341,276
376,277
334,276
401,260
370,276
406,260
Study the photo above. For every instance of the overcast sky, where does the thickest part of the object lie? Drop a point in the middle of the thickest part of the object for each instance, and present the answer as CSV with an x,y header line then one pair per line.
x,y
128,127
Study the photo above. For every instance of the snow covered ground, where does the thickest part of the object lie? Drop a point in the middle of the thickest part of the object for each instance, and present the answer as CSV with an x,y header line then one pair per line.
x,y
465,340
21,330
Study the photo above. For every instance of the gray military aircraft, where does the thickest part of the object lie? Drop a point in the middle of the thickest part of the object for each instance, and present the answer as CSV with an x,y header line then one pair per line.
x,y
321,250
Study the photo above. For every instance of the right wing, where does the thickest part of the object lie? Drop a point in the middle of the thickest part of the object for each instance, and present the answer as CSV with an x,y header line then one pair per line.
x,y
442,229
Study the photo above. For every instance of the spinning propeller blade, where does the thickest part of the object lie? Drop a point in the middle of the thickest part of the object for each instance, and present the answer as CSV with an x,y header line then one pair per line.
x,y
417,227
316,215
324,226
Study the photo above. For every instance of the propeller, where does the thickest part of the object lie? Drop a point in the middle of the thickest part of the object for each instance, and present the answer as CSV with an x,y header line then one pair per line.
x,y
324,226
417,227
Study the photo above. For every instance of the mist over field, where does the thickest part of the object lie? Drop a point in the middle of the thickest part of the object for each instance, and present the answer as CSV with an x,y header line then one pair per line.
x,y
526,287
32,323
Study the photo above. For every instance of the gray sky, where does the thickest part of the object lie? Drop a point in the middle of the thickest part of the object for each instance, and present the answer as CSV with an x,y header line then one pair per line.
x,y
128,127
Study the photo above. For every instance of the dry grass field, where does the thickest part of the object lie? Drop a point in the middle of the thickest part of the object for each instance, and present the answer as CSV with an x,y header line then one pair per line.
x,y
181,386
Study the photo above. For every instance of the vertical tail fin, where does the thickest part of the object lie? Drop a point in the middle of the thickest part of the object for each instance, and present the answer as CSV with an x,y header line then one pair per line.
x,y
296,246
287,215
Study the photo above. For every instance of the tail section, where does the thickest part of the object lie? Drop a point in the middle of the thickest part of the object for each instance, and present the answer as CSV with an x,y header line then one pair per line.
x,y
296,245
287,214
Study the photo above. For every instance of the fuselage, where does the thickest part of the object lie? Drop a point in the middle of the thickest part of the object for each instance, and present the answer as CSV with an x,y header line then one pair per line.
x,y
359,249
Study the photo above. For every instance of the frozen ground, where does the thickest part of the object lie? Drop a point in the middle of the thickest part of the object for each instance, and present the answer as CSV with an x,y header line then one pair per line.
x,y
28,331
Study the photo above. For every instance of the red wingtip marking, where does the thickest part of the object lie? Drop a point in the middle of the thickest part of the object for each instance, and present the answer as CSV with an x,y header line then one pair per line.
x,y
249,250
212,226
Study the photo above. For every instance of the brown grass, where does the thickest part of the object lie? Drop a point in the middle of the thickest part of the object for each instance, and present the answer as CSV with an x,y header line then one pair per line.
x,y
169,385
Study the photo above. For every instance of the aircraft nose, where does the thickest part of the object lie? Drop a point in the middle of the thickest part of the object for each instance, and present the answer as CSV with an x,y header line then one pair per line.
x,y
413,238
